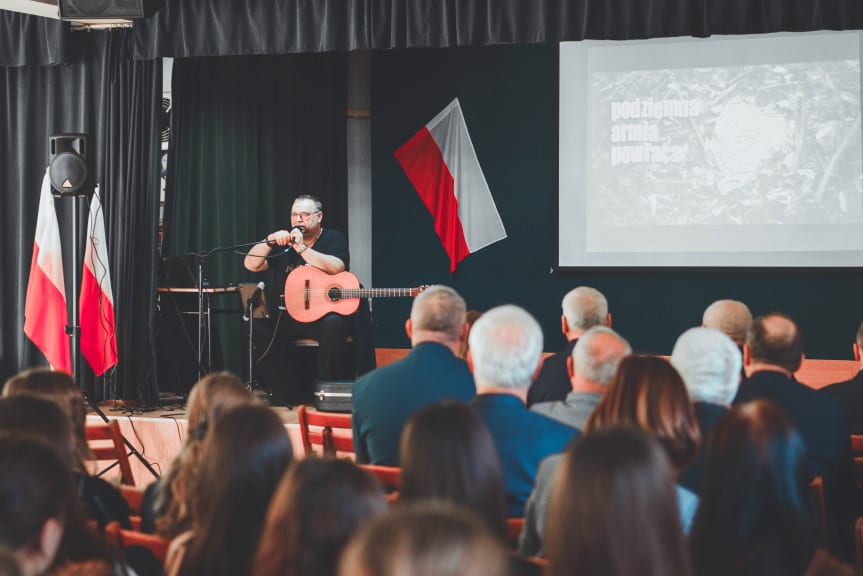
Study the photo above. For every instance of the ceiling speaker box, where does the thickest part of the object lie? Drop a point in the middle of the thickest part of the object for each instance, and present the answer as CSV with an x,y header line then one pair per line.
x,y
110,9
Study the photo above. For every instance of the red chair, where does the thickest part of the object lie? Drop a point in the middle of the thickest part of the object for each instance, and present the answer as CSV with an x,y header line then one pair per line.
x,y
115,451
123,539
326,433
514,527
390,477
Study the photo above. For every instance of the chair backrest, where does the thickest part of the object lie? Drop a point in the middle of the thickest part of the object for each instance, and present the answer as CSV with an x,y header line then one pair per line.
x,y
122,539
133,496
817,485
330,432
114,450
857,452
514,527
390,477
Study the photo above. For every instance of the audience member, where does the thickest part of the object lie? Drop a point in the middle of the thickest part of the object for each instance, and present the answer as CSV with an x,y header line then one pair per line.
x,y
59,387
773,352
647,393
167,502
425,540
613,509
35,493
757,509
505,353
46,420
385,398
318,506
242,461
709,363
41,519
583,308
850,392
448,454
591,367
730,317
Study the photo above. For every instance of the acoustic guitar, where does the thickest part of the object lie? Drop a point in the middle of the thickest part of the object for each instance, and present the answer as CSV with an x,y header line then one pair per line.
x,y
310,293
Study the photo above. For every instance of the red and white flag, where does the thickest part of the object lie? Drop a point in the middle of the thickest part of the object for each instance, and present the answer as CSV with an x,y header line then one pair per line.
x,y
441,163
98,331
45,315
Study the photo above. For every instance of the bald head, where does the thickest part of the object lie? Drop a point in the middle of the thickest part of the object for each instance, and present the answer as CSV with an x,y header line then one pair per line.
x,y
597,354
775,339
583,308
729,317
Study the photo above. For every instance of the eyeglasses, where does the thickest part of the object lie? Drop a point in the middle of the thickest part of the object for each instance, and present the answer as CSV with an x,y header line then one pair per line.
x,y
303,215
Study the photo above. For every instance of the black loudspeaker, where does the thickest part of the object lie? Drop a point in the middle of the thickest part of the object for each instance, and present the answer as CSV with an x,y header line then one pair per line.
x,y
101,9
68,170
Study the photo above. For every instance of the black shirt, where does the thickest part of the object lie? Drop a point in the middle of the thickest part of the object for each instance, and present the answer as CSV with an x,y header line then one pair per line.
x,y
330,242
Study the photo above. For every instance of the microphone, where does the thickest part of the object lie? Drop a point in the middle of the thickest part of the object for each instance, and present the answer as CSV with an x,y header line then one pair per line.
x,y
273,244
254,300
291,245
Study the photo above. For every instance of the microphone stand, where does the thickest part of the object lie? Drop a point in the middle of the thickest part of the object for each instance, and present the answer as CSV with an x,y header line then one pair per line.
x,y
251,304
201,257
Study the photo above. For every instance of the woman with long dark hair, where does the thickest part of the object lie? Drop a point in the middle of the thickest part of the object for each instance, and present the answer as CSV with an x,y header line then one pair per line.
x,y
613,510
243,459
647,393
447,453
319,505
757,512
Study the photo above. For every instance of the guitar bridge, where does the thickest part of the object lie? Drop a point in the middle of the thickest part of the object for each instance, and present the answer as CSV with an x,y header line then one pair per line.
x,y
306,294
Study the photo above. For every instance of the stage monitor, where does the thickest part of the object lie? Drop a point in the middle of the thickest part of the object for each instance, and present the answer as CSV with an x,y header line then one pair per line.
x,y
740,151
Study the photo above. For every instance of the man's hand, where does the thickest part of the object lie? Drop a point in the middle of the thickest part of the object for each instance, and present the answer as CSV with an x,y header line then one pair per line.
x,y
282,238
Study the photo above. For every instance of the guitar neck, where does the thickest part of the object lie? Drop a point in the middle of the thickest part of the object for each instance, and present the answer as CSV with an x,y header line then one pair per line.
x,y
377,292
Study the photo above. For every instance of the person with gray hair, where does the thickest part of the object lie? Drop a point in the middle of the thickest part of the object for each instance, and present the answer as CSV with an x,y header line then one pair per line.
x,y
384,399
591,368
505,354
730,317
709,363
582,309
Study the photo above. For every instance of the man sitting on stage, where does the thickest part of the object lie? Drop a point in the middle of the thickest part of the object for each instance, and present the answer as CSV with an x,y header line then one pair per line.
x,y
306,243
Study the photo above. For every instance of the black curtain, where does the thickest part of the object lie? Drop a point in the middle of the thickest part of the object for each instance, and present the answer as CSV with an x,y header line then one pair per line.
x,y
249,135
226,27
115,100
30,41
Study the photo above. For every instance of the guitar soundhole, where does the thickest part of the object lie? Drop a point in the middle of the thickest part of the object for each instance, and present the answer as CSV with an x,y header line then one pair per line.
x,y
334,294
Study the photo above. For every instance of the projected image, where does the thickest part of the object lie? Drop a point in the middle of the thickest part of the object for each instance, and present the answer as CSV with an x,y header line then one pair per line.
x,y
769,144
740,151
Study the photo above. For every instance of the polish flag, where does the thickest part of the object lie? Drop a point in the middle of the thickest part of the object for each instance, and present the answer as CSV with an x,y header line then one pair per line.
x,y
98,332
441,163
45,315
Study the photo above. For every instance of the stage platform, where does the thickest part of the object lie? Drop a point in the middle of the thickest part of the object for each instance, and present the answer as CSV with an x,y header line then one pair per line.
x,y
158,435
